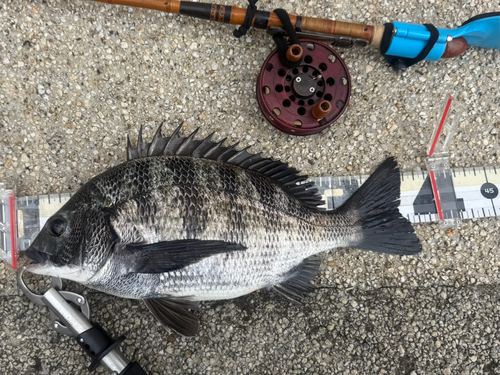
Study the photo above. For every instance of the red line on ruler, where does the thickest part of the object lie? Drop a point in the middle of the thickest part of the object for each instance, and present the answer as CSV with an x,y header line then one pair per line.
x,y
441,124
13,232
436,195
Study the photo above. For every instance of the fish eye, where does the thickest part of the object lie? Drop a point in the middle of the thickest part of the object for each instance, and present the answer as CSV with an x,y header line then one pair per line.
x,y
58,227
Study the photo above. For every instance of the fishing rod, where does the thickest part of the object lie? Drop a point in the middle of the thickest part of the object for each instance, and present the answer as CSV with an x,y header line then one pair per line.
x,y
304,85
398,39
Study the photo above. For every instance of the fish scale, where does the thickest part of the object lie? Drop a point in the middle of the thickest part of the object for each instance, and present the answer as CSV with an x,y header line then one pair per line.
x,y
187,220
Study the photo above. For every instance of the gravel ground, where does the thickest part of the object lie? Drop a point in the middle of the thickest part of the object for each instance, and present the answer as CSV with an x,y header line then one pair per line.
x,y
77,76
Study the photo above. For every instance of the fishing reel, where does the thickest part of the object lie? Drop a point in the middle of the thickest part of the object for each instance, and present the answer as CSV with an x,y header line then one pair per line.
x,y
308,98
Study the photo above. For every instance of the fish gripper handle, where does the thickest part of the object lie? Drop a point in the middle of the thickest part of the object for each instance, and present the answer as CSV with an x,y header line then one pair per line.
x,y
97,344
133,368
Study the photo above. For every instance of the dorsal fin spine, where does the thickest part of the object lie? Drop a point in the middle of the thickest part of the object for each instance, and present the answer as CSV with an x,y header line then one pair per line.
x,y
197,151
238,154
139,138
222,157
171,142
217,146
266,168
152,150
259,164
276,170
186,142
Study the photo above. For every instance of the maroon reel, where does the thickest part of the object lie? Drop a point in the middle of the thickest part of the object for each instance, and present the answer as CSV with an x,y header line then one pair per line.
x,y
309,98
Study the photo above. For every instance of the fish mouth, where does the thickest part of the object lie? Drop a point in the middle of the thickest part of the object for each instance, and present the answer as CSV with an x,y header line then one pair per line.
x,y
36,256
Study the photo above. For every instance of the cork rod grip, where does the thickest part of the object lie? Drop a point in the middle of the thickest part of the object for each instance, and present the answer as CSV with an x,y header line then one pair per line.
x,y
324,26
320,25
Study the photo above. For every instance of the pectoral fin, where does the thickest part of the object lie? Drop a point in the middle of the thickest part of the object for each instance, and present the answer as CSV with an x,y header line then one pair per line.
x,y
174,314
172,255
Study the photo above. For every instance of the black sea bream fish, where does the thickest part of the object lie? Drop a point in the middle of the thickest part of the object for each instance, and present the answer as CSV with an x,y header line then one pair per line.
x,y
187,220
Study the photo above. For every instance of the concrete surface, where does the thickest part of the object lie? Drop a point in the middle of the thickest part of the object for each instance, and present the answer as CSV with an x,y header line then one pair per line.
x,y
77,76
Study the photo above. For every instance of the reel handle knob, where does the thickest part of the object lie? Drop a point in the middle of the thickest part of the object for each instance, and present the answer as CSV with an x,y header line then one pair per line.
x,y
321,109
294,52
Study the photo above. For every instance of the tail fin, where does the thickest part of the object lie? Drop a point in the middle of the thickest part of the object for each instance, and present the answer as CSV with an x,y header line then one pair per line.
x,y
376,206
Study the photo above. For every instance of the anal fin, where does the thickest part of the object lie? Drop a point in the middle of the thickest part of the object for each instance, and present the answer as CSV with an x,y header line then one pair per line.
x,y
173,313
298,284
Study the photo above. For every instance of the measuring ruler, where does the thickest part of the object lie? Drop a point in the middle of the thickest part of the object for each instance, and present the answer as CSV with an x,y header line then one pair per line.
x,y
470,193
22,218
32,214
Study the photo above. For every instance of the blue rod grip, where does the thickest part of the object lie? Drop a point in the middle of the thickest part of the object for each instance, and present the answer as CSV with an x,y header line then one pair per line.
x,y
408,39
